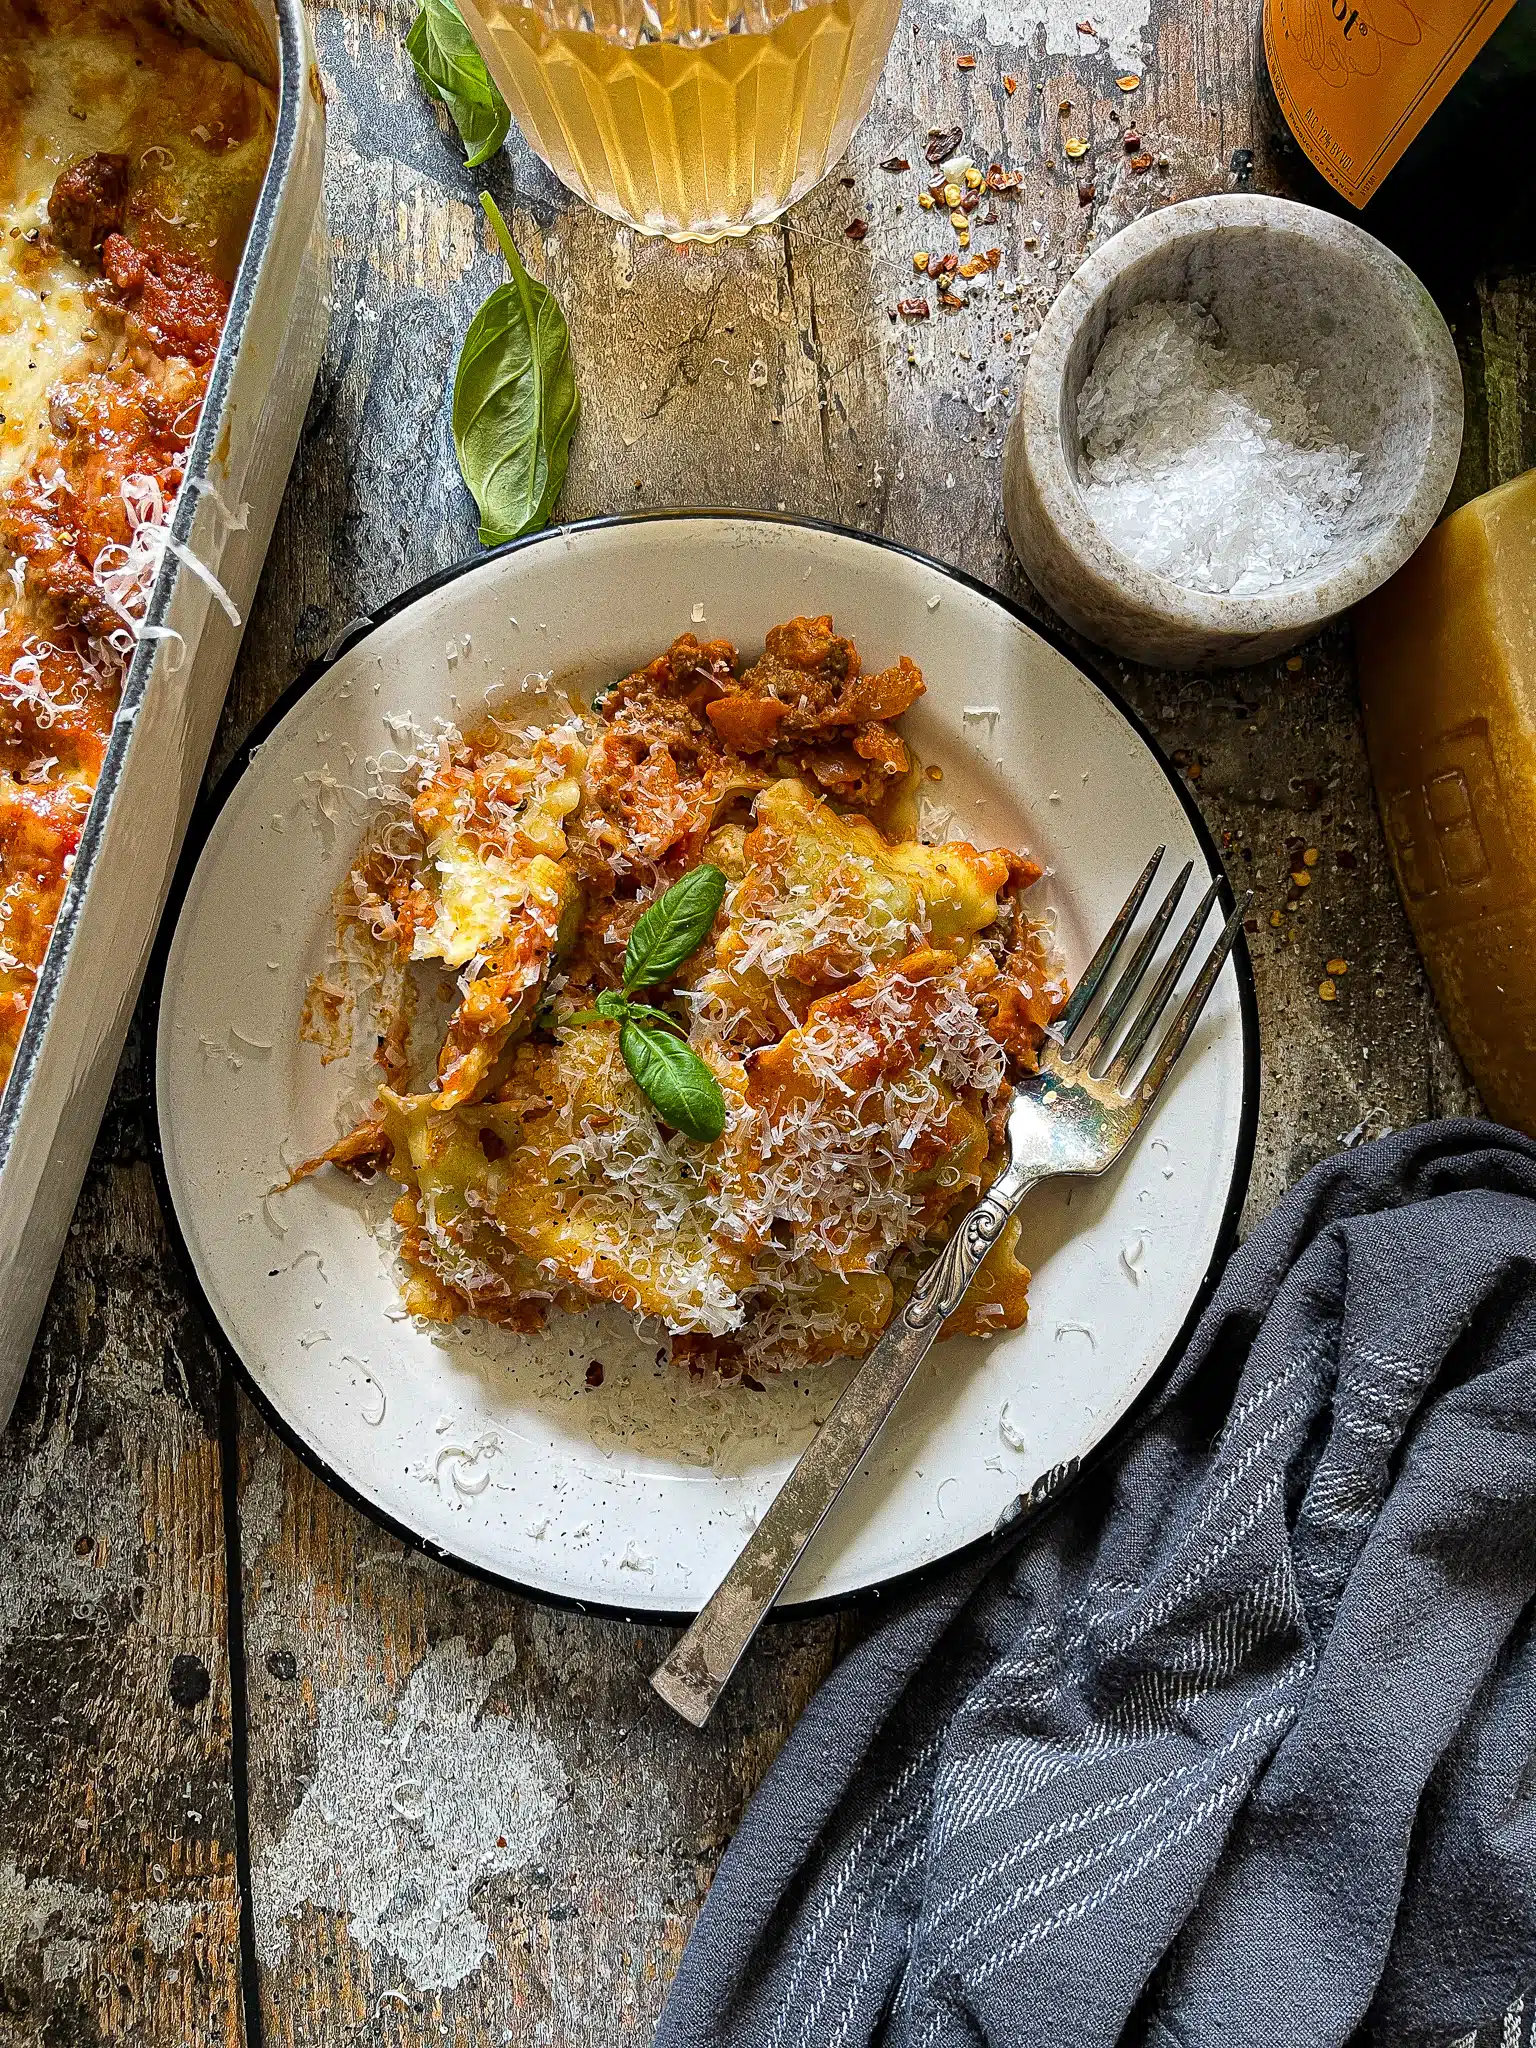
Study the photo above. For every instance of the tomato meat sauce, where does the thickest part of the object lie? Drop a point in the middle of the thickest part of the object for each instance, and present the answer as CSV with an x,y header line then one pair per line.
x,y
83,527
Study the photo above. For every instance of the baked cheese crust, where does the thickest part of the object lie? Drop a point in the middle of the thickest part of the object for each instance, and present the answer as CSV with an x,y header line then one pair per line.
x,y
130,161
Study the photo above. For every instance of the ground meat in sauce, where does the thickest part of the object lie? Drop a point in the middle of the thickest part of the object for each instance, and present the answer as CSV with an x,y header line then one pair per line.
x,y
118,423
659,774
58,698
807,708
87,201
175,301
809,684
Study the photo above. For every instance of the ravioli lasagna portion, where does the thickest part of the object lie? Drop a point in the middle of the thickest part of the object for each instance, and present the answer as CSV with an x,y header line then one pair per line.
x,y
130,162
863,998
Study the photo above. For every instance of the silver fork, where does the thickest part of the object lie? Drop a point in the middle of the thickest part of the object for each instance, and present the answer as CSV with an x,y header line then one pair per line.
x,y
1076,1115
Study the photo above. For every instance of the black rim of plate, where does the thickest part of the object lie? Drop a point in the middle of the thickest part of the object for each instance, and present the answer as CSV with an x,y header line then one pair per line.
x,y
901,1583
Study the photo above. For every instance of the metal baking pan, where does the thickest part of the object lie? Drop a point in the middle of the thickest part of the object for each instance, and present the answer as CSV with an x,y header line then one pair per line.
x,y
257,394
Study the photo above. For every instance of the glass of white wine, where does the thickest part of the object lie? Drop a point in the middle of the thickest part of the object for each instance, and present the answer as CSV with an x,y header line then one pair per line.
x,y
693,119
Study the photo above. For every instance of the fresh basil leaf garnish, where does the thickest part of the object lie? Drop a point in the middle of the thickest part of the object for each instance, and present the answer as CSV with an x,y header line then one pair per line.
x,y
450,68
684,1091
515,403
610,1008
678,1084
648,1014
676,925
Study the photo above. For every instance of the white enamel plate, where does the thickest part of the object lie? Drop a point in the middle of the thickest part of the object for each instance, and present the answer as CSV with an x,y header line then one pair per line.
x,y
493,1449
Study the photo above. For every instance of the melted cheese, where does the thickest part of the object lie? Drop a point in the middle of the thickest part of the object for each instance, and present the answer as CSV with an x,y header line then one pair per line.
x,y
581,1185
77,78
478,896
495,838
843,1003
100,390
826,900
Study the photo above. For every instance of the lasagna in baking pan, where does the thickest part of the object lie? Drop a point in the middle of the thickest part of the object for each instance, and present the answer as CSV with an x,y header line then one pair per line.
x,y
850,992
130,163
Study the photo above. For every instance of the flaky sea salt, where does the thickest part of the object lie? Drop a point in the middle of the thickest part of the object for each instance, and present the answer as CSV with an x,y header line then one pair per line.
x,y
1205,464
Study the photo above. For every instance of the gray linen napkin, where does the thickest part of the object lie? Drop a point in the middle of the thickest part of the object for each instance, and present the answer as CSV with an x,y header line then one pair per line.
x,y
1234,1744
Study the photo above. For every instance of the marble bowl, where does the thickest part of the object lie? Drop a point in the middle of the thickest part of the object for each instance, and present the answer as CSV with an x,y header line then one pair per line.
x,y
1287,284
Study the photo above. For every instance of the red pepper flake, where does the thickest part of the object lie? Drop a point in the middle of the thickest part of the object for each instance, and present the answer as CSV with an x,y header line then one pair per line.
x,y
952,300
595,1373
1085,192
1086,28
1010,85
989,218
965,63
994,257
942,143
936,192
1141,163
913,309
846,183
1132,142
969,203
856,230
895,163
946,266
999,180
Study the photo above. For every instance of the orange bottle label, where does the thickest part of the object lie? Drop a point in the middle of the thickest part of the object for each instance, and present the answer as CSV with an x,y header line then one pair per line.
x,y
1357,79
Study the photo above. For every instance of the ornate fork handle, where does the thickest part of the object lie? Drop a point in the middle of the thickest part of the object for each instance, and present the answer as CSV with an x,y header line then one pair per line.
x,y
692,1677
1084,1110
942,1288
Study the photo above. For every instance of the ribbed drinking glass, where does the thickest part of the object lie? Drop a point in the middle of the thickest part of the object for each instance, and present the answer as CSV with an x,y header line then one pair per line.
x,y
691,119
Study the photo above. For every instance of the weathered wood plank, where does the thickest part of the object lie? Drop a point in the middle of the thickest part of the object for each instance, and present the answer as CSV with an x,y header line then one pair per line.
x,y
765,374
451,1768
429,1757
118,1899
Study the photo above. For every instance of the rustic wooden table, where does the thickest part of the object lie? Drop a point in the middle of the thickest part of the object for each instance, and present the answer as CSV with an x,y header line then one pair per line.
x,y
463,1817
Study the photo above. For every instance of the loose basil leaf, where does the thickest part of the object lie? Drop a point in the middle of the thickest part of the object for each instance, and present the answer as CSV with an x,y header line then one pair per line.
x,y
514,401
683,1090
450,68
676,925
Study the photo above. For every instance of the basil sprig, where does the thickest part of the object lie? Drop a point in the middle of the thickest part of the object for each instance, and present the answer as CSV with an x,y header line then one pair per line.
x,y
450,68
665,1069
514,400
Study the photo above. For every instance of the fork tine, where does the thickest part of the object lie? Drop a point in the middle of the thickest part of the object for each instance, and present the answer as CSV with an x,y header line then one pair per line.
x,y
1119,998
1088,987
1189,1010
1146,1018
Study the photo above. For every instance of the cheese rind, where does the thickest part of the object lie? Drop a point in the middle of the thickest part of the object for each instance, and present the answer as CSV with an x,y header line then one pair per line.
x,y
1447,656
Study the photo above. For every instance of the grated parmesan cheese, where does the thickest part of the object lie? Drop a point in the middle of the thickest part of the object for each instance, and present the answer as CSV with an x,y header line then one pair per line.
x,y
841,1003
